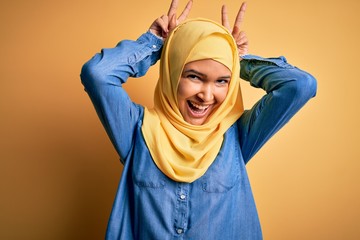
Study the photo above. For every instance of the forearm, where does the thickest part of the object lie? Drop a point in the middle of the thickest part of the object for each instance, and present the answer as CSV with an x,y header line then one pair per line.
x,y
102,77
274,74
288,89
128,59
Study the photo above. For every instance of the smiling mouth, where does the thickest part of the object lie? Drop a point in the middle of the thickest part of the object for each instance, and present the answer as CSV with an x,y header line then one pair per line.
x,y
197,109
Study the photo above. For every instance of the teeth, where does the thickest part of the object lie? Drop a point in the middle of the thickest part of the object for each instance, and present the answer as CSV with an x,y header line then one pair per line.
x,y
200,107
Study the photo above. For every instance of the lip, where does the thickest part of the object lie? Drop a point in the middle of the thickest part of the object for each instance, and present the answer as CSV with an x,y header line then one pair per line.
x,y
198,114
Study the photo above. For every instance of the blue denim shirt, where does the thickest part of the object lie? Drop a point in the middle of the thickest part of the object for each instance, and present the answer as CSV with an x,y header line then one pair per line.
x,y
220,204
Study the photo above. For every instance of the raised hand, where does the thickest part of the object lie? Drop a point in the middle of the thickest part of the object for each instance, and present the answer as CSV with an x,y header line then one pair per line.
x,y
163,25
239,36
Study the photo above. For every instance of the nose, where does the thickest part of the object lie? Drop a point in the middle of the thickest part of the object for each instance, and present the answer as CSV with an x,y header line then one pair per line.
x,y
206,93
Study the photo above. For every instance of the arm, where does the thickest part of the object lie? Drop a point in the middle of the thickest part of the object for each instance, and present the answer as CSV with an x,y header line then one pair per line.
x,y
103,76
288,89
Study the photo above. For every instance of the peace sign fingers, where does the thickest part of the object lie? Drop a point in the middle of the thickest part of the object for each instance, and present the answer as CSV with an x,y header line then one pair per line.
x,y
239,36
185,12
166,23
239,19
172,13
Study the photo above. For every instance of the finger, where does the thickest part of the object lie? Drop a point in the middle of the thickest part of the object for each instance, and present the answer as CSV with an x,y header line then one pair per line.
x,y
172,22
236,32
241,39
240,16
173,7
186,11
224,18
162,24
244,44
242,34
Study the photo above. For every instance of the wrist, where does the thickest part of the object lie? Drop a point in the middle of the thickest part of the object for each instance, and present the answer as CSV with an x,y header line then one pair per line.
x,y
153,33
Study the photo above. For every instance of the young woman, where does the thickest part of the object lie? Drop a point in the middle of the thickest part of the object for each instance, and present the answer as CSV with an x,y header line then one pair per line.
x,y
184,173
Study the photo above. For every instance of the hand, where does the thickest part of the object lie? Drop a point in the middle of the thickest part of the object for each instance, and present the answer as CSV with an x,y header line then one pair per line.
x,y
239,36
163,25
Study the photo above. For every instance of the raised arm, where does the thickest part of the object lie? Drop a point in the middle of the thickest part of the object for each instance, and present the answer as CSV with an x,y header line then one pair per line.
x,y
104,74
287,90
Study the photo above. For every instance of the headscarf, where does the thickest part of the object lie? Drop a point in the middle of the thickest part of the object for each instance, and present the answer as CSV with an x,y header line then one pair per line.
x,y
183,151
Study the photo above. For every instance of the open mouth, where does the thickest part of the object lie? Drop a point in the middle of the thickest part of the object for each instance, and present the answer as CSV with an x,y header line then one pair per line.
x,y
197,109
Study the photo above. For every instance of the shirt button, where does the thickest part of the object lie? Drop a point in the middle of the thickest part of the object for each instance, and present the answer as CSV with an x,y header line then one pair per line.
x,y
179,231
182,196
153,46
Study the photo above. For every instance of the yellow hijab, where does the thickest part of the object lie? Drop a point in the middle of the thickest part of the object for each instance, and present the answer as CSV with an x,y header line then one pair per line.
x,y
183,151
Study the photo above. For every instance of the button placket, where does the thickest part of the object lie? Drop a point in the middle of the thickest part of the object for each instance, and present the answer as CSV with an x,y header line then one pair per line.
x,y
182,208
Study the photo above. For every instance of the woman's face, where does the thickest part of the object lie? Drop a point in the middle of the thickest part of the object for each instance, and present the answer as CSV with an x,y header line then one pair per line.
x,y
202,88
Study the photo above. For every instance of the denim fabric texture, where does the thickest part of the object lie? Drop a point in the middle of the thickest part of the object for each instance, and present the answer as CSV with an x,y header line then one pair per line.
x,y
220,204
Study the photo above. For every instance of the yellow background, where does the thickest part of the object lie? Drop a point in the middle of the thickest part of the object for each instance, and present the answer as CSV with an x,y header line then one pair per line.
x,y
59,172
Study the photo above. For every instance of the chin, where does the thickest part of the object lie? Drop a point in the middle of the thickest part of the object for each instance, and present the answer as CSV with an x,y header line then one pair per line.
x,y
196,122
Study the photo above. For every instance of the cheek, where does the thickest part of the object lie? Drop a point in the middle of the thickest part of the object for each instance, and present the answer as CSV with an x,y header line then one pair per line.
x,y
180,92
185,89
181,95
221,94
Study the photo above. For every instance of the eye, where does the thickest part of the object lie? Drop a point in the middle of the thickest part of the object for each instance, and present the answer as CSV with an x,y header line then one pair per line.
x,y
193,77
222,82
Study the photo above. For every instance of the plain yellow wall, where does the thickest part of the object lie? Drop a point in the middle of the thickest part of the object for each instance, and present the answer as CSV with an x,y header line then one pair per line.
x,y
59,172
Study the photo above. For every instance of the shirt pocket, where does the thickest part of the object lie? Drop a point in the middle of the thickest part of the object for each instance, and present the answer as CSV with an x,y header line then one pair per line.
x,y
145,173
223,174
149,179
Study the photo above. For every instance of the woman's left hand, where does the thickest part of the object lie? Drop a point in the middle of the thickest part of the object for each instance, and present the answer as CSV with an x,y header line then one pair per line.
x,y
239,36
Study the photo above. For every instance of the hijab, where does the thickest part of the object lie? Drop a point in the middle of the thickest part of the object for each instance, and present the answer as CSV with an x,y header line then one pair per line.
x,y
183,151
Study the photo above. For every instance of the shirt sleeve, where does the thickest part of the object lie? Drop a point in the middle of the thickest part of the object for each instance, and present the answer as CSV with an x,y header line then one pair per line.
x,y
287,90
103,76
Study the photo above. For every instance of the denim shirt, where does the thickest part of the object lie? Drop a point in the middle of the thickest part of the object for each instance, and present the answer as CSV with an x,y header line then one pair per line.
x,y
218,205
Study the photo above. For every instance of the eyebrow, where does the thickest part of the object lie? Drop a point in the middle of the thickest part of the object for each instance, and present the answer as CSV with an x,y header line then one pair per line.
x,y
202,74
196,72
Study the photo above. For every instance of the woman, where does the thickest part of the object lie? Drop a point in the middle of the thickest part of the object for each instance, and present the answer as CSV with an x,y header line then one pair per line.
x,y
184,173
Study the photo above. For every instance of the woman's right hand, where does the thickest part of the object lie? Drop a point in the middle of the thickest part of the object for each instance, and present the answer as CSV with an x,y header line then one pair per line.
x,y
163,25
